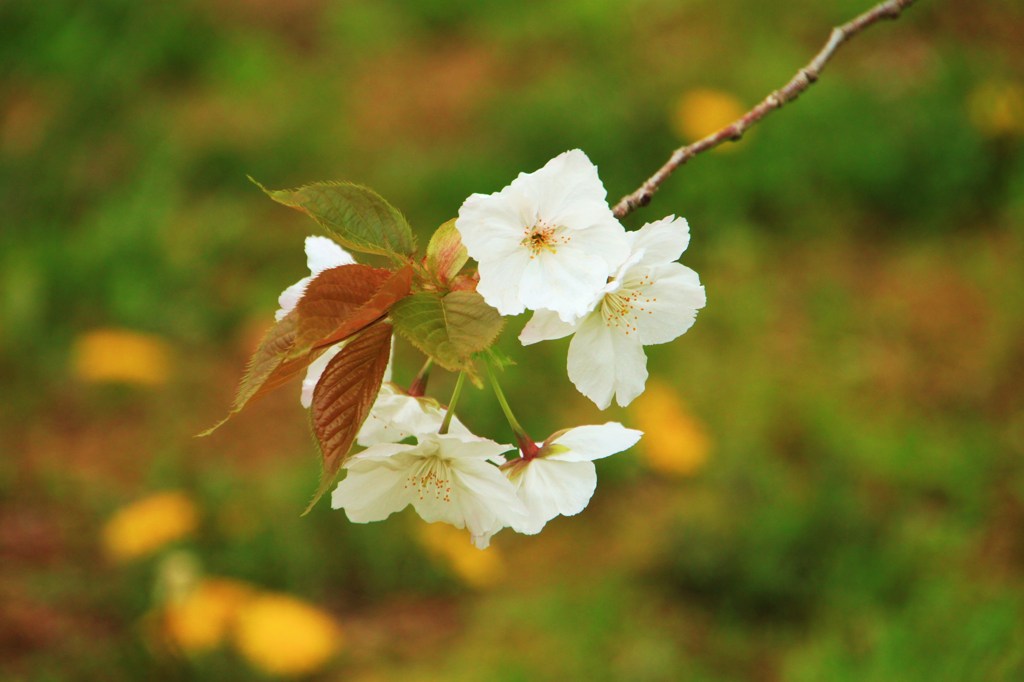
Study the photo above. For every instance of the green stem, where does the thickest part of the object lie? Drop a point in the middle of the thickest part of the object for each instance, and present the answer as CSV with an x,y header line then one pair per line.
x,y
517,428
451,403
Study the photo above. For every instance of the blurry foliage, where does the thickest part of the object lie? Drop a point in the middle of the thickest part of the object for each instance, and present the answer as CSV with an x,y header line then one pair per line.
x,y
857,374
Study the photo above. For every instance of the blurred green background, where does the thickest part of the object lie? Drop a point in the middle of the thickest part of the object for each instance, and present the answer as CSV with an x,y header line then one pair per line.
x,y
831,487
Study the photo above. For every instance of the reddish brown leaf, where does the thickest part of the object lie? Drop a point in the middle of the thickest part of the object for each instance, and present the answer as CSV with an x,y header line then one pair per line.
x,y
391,291
331,298
337,303
343,300
344,395
269,366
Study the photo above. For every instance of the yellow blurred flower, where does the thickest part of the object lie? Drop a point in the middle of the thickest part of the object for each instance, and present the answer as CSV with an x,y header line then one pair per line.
x,y
997,108
452,547
201,619
674,441
702,111
145,526
121,356
282,635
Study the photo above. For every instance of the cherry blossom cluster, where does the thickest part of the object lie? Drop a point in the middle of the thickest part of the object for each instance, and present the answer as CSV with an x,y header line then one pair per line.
x,y
550,244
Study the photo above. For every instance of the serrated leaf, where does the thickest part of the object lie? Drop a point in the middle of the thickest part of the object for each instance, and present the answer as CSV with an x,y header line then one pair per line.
x,y
270,366
445,253
337,304
344,395
449,328
355,216
498,358
342,300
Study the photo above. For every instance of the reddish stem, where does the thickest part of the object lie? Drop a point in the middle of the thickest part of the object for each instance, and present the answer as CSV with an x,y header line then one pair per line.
x,y
527,446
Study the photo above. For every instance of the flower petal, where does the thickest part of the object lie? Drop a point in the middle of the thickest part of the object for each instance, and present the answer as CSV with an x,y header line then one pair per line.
x,y
289,298
603,362
374,488
500,281
569,194
670,303
382,451
605,239
477,497
323,253
662,241
545,325
565,184
491,225
549,488
461,446
568,282
395,416
592,442
491,502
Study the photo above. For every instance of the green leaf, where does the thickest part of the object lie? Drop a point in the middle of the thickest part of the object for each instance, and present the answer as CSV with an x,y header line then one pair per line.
x,y
448,328
445,253
344,395
356,217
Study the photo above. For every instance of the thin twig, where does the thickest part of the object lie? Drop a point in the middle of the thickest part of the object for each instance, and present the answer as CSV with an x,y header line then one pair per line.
x,y
776,100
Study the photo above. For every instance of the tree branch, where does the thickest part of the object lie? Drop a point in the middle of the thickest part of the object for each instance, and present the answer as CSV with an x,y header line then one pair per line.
x,y
891,9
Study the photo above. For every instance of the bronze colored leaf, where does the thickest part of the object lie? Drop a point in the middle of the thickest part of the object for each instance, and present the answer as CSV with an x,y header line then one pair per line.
x,y
344,395
269,366
337,304
393,289
342,300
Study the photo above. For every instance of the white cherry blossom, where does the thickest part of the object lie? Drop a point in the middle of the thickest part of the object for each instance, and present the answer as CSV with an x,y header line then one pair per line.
x,y
650,300
548,241
449,478
396,416
560,478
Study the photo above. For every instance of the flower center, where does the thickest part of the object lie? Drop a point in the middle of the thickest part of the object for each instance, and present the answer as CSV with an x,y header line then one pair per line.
x,y
621,309
431,479
542,237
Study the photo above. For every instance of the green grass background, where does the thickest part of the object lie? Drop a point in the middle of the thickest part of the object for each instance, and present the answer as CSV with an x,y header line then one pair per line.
x,y
859,366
